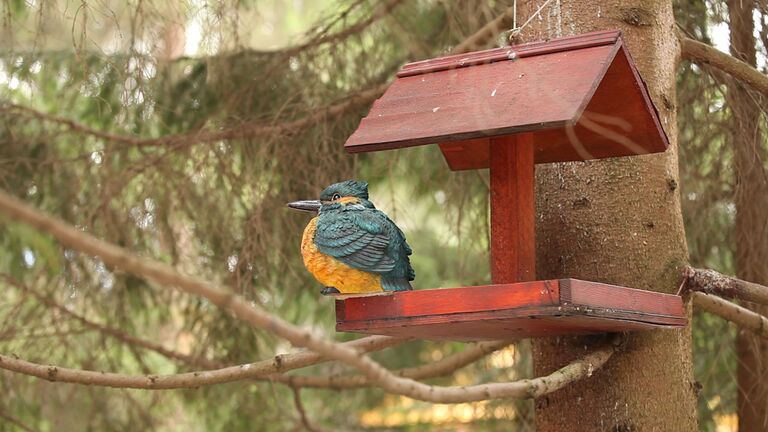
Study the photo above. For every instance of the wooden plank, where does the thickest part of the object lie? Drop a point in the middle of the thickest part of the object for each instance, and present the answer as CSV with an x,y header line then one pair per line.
x,y
600,295
533,313
581,101
619,120
470,154
513,243
500,98
531,49
526,309
438,302
624,98
545,322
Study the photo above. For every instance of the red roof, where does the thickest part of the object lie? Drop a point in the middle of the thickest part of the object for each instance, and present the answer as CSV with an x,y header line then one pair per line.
x,y
581,97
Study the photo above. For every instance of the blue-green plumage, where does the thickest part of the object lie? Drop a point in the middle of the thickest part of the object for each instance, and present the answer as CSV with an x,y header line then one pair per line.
x,y
353,231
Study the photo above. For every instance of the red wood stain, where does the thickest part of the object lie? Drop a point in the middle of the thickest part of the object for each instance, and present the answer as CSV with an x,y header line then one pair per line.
x,y
449,301
617,297
513,245
511,311
581,97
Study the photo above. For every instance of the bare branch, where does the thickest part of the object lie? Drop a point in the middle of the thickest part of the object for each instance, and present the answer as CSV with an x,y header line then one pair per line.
x,y
441,367
263,370
732,312
704,54
258,370
259,318
523,389
711,282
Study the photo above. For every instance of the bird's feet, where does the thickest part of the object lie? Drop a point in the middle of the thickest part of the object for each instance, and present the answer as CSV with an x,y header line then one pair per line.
x,y
329,291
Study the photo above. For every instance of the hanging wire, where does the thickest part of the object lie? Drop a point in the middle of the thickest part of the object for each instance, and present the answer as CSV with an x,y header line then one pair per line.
x,y
514,32
514,15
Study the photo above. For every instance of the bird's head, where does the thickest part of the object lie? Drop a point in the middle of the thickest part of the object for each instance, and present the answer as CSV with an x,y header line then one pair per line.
x,y
338,196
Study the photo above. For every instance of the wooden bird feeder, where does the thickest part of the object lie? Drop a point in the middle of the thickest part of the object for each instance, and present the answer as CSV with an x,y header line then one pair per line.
x,y
570,99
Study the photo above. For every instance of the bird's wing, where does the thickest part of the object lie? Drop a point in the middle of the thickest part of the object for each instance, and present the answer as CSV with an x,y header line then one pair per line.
x,y
359,239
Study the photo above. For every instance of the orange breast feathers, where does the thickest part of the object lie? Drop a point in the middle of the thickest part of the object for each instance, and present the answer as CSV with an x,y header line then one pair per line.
x,y
333,273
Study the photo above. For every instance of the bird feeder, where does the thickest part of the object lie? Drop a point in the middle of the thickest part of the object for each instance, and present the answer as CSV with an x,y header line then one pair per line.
x,y
506,109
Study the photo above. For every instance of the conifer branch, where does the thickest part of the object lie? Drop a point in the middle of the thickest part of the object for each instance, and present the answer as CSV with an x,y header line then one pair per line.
x,y
703,54
382,10
113,332
256,129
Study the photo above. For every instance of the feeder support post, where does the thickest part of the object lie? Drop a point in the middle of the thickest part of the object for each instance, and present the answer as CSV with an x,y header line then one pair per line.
x,y
513,243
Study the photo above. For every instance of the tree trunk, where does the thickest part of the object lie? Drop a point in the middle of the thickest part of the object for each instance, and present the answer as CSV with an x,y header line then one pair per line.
x,y
751,228
617,221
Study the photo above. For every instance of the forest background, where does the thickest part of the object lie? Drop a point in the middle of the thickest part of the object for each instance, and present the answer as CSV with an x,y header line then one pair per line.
x,y
180,130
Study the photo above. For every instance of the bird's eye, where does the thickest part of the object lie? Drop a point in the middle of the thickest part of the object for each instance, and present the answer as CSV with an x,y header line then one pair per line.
x,y
335,197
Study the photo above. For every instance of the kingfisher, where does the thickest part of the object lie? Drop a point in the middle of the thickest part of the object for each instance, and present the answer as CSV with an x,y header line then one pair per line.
x,y
350,246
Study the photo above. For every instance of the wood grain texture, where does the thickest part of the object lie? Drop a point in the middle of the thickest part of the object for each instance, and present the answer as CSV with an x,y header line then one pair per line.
x,y
493,99
592,294
513,242
449,301
511,311
531,49
582,98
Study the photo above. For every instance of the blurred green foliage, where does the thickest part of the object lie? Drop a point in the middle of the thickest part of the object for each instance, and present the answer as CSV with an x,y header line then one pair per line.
x,y
216,208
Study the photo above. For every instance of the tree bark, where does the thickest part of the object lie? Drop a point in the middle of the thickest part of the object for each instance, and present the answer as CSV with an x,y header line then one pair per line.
x,y
617,221
751,227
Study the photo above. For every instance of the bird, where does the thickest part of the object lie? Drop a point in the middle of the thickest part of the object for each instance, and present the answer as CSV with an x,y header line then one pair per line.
x,y
351,247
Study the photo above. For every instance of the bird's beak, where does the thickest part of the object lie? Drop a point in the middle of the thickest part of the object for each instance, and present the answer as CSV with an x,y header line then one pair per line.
x,y
306,205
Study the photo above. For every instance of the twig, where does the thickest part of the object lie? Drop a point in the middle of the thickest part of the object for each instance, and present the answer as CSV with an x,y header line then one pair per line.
x,y
442,367
488,31
259,318
522,389
258,370
704,54
219,373
732,312
302,412
16,422
380,12
245,130
711,282
115,333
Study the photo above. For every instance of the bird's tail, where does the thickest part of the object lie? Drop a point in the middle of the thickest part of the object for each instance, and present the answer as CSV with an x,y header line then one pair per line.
x,y
395,284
